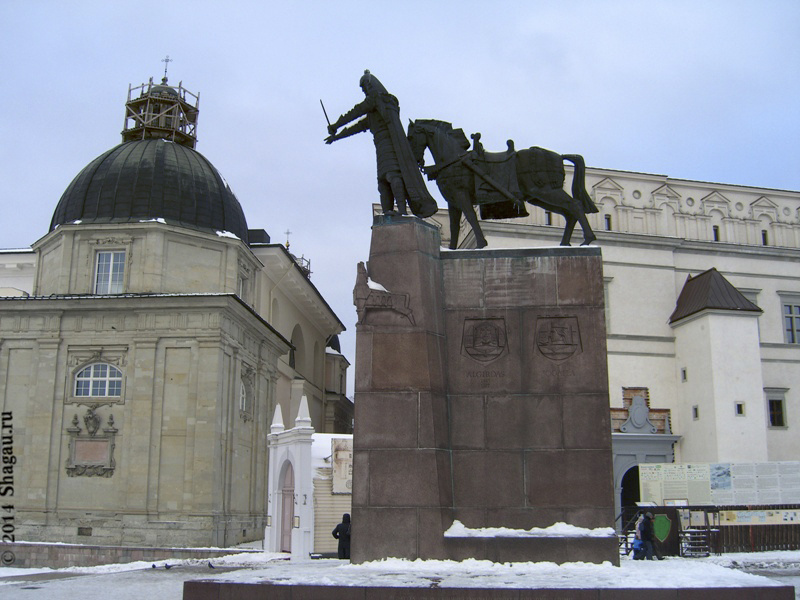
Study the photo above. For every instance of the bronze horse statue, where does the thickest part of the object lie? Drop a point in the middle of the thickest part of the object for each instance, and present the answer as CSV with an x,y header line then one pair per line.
x,y
498,182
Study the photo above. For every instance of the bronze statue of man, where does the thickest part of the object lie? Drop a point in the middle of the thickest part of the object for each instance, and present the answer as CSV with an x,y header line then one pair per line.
x,y
399,179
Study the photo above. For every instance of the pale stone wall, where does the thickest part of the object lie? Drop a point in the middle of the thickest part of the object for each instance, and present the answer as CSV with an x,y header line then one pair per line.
x,y
291,304
190,452
190,467
17,268
723,366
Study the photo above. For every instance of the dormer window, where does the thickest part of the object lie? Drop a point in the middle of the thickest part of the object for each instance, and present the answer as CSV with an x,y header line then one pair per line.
x,y
110,272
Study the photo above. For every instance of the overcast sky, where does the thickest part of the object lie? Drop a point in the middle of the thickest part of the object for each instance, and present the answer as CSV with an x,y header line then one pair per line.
x,y
704,90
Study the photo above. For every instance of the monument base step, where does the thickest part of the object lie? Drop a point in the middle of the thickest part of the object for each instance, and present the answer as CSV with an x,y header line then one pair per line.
x,y
557,550
219,590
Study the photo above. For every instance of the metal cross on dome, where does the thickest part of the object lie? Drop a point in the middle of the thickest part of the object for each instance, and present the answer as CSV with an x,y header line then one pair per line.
x,y
166,62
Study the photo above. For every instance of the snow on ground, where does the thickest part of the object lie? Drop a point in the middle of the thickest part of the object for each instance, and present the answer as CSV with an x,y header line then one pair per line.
x,y
139,580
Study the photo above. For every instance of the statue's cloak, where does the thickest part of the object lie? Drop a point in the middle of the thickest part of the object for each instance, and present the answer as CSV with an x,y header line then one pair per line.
x,y
420,200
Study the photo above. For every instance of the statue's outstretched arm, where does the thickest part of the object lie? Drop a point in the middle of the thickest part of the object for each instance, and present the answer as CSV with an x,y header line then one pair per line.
x,y
362,125
359,110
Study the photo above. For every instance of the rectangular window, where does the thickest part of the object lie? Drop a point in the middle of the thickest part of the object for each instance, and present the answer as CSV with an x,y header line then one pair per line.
x,y
791,316
607,219
776,407
764,238
739,409
684,376
715,232
776,417
695,412
548,217
110,272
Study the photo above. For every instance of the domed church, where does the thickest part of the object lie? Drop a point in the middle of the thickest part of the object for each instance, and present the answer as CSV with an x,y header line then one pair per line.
x,y
140,370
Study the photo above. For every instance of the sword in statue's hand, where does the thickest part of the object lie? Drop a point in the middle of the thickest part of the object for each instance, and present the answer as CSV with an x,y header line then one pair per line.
x,y
331,128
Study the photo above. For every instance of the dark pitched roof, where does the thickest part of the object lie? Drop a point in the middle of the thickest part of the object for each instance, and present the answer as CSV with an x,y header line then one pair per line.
x,y
709,290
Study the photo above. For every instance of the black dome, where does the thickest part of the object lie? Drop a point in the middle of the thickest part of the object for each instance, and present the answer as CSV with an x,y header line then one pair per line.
x,y
152,179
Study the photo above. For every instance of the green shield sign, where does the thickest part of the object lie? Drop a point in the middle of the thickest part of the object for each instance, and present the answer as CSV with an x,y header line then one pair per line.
x,y
662,525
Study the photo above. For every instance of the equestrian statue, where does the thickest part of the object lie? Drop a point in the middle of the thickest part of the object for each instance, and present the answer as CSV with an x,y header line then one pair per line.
x,y
499,182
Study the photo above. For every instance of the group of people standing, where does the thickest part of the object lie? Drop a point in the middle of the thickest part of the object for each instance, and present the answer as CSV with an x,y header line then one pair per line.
x,y
644,542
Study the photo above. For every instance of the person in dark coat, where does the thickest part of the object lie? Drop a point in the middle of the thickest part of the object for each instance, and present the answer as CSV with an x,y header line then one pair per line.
x,y
342,533
646,534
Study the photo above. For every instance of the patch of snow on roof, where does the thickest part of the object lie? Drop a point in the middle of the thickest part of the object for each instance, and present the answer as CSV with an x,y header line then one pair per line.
x,y
227,234
459,530
374,285
158,220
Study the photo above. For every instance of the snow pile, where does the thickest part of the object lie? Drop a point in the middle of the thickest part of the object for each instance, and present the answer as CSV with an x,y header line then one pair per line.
x,y
374,285
459,530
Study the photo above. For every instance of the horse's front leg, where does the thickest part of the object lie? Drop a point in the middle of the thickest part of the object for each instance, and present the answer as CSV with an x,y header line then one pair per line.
x,y
588,234
455,224
472,219
568,229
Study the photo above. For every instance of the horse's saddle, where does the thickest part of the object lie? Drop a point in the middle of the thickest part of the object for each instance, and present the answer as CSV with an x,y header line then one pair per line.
x,y
501,171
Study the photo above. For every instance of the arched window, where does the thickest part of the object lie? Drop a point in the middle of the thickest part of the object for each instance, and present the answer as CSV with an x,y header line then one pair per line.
x,y
99,380
244,405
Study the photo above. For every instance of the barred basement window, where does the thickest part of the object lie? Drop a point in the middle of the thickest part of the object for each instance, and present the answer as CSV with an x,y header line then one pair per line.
x,y
98,381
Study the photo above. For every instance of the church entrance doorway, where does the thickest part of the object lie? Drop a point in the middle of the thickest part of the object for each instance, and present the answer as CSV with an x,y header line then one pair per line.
x,y
629,495
287,508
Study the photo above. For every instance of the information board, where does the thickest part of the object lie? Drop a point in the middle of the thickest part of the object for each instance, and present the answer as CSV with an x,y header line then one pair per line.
x,y
720,484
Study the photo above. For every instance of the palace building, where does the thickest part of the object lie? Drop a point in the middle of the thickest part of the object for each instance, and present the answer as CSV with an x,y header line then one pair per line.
x,y
145,342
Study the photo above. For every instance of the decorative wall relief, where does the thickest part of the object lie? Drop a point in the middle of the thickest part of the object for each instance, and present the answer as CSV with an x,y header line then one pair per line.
x,y
91,454
638,418
558,338
484,340
369,295
247,393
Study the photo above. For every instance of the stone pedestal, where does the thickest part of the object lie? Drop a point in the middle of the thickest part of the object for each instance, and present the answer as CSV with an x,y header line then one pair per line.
x,y
482,396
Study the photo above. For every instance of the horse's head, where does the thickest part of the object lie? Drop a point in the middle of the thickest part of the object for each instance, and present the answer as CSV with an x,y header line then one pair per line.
x,y
444,142
418,140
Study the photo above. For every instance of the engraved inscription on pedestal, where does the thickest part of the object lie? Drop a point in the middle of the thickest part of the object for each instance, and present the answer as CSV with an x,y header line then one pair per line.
x,y
558,338
484,340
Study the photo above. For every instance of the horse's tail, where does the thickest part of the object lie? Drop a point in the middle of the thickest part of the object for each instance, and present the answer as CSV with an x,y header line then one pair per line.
x,y
579,183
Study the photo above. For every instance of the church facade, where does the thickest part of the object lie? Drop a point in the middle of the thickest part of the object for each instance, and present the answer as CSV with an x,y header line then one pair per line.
x,y
145,342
